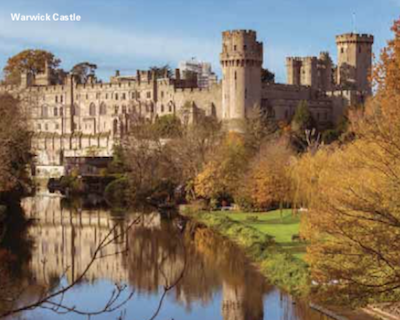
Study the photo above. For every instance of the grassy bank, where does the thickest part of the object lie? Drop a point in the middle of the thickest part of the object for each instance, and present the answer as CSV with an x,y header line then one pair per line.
x,y
267,240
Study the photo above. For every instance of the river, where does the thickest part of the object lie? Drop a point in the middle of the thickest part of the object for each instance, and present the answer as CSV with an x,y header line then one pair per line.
x,y
208,276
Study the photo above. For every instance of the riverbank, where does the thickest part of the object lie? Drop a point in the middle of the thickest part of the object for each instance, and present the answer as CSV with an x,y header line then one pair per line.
x,y
267,240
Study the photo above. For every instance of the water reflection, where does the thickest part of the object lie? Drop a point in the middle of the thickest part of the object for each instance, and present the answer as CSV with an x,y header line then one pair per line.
x,y
218,280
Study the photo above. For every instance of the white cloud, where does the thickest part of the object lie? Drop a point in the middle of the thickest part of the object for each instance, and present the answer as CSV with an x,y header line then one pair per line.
x,y
97,40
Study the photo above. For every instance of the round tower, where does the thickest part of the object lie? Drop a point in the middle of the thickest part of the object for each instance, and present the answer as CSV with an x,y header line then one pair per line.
x,y
241,61
354,61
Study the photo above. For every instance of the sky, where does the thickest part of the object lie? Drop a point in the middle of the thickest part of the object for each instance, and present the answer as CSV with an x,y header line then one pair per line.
x,y
136,34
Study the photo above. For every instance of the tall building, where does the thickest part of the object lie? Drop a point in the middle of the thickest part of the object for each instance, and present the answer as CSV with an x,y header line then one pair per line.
x,y
354,61
201,70
241,61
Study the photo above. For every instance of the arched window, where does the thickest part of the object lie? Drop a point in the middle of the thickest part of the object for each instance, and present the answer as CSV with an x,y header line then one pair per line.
x,y
61,112
170,108
103,108
56,99
92,109
55,112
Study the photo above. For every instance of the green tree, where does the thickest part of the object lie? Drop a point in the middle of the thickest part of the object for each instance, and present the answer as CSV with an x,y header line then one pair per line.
x,y
82,71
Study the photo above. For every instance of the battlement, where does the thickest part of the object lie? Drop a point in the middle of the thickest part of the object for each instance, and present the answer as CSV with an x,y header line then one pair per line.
x,y
355,37
301,59
239,33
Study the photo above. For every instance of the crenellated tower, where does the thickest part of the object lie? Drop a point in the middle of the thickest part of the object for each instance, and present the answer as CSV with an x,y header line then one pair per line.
x,y
354,61
241,61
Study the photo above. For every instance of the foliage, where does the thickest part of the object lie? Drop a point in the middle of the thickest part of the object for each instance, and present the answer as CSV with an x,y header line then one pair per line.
x,y
267,76
267,184
352,195
168,126
302,121
30,60
116,192
222,173
82,71
14,145
162,72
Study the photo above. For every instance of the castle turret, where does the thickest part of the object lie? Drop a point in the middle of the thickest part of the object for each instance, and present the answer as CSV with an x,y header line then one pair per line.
x,y
354,61
241,60
293,68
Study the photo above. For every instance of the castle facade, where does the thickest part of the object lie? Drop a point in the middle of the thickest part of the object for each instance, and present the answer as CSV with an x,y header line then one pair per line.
x,y
72,120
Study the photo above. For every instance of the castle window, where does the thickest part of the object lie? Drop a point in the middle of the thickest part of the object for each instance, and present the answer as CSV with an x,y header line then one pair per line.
x,y
138,95
116,109
61,112
123,109
162,94
61,98
133,95
342,50
149,95
103,109
123,96
162,108
55,112
44,111
170,108
116,96
56,99
92,109
234,48
235,75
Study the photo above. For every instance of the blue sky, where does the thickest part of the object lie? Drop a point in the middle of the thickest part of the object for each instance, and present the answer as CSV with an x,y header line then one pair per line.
x,y
136,34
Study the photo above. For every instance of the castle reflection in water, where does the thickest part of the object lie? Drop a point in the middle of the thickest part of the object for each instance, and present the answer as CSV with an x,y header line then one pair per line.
x,y
66,238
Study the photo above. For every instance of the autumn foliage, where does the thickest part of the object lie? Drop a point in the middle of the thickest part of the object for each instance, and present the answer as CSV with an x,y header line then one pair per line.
x,y
352,193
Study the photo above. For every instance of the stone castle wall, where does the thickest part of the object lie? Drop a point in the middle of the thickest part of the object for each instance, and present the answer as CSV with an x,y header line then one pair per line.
x,y
77,120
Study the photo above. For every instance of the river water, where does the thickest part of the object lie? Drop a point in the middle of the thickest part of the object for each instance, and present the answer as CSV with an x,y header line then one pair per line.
x,y
210,277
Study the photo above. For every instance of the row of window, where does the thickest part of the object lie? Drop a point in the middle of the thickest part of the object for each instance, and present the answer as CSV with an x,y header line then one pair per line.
x,y
117,96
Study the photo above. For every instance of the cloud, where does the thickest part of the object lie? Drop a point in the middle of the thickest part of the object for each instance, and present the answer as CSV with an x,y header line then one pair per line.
x,y
100,40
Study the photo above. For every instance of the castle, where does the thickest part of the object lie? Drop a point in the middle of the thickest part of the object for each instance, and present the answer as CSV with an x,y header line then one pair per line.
x,y
76,120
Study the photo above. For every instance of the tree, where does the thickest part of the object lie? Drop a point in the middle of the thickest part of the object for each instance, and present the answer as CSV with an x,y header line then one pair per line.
x,y
221,174
267,76
14,144
161,72
302,121
31,60
352,195
82,71
267,184
168,126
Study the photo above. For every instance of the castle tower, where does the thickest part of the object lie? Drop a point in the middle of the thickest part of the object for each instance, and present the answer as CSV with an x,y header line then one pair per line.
x,y
293,68
354,61
325,66
309,71
241,61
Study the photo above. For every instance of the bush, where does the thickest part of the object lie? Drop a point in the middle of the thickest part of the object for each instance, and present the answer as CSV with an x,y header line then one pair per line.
x,y
116,192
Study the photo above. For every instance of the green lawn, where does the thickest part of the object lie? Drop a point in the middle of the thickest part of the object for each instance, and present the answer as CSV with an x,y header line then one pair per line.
x,y
282,228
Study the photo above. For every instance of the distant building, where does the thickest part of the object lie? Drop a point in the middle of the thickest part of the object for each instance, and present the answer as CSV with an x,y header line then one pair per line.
x,y
205,76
